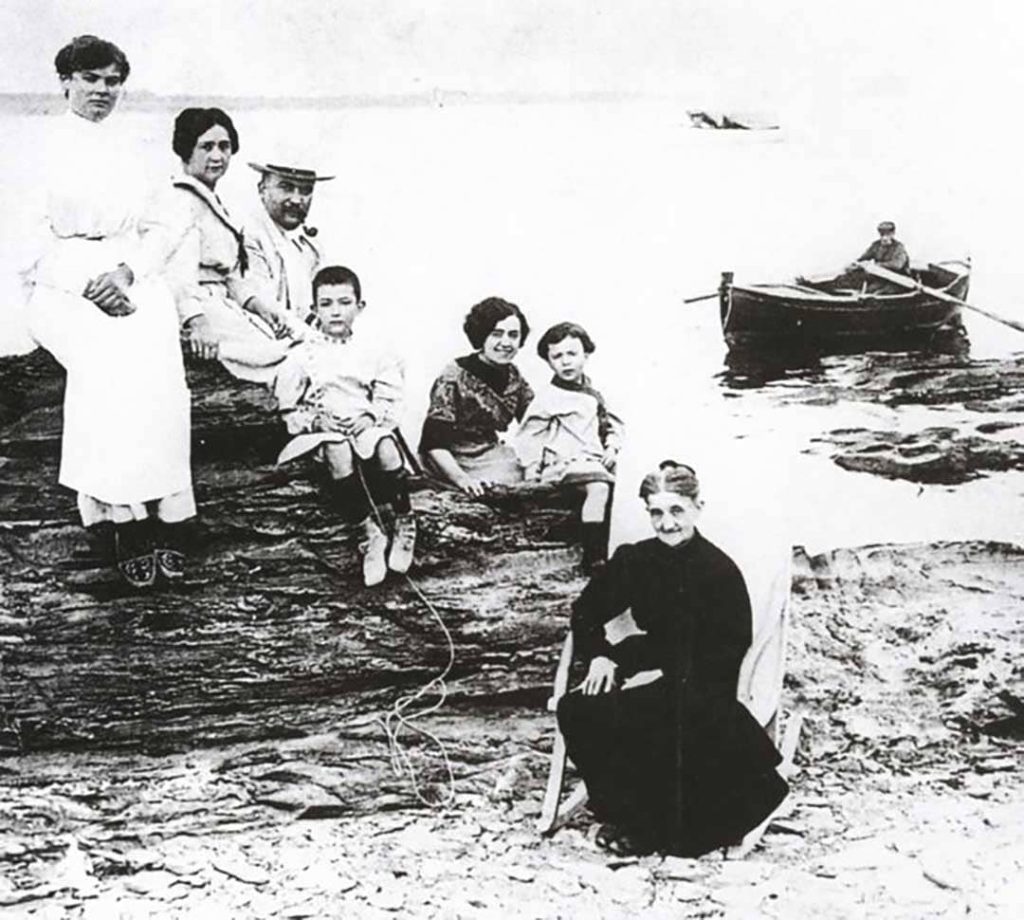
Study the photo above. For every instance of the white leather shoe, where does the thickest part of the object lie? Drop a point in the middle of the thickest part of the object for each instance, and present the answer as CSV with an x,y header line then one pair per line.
x,y
403,543
372,547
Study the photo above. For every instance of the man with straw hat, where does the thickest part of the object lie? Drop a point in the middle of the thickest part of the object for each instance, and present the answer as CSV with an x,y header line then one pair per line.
x,y
282,255
275,288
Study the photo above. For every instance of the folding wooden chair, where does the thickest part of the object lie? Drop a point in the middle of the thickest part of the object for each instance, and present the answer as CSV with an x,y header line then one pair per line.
x,y
759,688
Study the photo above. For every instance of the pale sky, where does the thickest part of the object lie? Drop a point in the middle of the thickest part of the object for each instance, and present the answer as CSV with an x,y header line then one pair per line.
x,y
771,53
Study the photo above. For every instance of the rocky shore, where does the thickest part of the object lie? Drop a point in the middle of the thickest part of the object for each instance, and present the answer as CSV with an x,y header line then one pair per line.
x,y
959,420
217,750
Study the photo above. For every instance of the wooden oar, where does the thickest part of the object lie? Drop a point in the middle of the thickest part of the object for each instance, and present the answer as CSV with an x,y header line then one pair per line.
x,y
702,297
911,285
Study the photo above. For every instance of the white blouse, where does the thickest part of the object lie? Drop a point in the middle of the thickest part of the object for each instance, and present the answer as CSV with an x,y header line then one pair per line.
x,y
201,242
91,189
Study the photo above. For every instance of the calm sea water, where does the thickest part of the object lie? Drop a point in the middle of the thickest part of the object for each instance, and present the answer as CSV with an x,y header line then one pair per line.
x,y
612,214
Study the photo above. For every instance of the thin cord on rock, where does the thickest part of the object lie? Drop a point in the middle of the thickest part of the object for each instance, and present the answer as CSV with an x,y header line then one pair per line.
x,y
401,715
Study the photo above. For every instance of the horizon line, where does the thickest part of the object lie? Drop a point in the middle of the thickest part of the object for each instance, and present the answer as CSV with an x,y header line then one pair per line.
x,y
143,99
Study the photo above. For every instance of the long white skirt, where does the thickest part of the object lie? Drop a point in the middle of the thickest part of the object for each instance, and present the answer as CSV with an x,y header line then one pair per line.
x,y
126,436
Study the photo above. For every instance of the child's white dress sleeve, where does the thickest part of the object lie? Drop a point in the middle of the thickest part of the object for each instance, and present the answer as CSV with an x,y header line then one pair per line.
x,y
387,390
615,430
530,437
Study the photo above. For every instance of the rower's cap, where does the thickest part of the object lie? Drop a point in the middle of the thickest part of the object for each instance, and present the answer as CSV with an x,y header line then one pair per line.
x,y
886,226
295,173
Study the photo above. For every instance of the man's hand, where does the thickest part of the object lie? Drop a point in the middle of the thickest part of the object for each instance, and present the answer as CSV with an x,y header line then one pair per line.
x,y
107,291
600,676
273,317
198,336
610,458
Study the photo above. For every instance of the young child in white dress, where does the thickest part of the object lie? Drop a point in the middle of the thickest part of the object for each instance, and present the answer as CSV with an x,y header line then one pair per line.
x,y
340,400
568,435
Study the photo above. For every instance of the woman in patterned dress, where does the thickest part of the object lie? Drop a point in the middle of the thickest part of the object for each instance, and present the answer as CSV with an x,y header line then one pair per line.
x,y
475,399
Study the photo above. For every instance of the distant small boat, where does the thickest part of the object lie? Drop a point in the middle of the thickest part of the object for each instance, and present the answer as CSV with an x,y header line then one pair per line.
x,y
842,311
727,122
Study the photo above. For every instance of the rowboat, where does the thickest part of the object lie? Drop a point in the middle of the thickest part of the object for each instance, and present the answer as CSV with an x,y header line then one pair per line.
x,y
846,312
733,121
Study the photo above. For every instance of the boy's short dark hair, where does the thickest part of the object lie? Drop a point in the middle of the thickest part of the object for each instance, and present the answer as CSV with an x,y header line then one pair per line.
x,y
565,331
191,124
337,274
484,316
87,52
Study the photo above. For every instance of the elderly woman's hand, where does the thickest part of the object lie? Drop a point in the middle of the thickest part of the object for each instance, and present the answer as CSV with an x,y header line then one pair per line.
x,y
600,676
107,291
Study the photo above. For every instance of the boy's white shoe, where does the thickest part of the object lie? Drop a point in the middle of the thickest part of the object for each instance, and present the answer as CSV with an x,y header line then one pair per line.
x,y
403,543
372,548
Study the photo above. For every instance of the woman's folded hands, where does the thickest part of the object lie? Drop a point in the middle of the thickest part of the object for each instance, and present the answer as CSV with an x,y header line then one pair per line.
x,y
107,291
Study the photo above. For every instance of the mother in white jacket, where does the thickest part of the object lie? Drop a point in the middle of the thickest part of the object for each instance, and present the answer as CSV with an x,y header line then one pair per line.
x,y
98,304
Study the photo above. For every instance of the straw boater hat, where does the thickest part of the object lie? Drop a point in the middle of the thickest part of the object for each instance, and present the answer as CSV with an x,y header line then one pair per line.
x,y
296,173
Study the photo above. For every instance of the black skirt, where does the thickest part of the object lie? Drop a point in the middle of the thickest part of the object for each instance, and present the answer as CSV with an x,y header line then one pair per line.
x,y
687,782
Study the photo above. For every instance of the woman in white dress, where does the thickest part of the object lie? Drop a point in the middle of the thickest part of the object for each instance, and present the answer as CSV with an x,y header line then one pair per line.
x,y
98,304
222,315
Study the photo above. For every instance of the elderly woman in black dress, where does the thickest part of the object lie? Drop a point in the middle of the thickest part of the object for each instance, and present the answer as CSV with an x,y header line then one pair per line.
x,y
475,399
677,764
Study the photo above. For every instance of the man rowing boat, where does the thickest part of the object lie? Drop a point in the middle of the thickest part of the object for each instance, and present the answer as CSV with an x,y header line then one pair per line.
x,y
887,251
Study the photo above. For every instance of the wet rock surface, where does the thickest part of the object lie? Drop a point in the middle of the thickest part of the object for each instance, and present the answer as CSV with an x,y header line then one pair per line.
x,y
931,455
894,378
271,634
969,420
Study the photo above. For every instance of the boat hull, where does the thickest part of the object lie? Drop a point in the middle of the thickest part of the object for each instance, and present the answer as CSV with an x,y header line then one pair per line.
x,y
795,317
